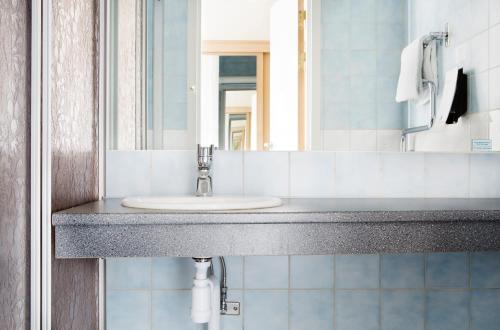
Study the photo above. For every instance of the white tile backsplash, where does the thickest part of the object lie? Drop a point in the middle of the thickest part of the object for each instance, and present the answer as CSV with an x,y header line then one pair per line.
x,y
455,138
446,175
484,175
128,173
478,92
227,172
402,174
478,11
266,173
357,174
363,140
479,125
494,12
495,88
336,140
478,54
495,46
389,140
312,174
308,174
173,172
495,129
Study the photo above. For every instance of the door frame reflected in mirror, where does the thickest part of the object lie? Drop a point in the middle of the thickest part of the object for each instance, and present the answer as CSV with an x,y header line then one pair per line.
x,y
259,49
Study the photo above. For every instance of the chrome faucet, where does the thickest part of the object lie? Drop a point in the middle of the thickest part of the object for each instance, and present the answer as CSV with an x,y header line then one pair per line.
x,y
204,182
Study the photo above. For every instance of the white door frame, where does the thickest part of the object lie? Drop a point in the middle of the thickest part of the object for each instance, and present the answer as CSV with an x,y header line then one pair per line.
x,y
46,168
40,159
35,167
40,162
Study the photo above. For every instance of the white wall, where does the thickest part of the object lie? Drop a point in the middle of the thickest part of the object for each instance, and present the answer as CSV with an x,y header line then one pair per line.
x,y
284,85
235,19
209,112
239,98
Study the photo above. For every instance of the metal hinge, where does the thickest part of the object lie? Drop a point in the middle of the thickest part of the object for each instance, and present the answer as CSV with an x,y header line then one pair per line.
x,y
302,18
302,15
302,59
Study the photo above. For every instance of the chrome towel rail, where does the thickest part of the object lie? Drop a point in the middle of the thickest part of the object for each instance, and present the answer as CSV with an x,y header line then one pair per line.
x,y
442,37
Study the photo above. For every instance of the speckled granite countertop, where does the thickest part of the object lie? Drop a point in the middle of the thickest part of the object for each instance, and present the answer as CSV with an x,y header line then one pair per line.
x,y
299,226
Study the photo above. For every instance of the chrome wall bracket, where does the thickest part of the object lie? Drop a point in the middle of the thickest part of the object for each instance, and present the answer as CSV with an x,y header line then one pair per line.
x,y
232,308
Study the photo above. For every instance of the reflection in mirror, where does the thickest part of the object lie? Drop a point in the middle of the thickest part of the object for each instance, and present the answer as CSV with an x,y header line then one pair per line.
x,y
124,114
239,109
264,75
152,74
260,98
161,97
229,98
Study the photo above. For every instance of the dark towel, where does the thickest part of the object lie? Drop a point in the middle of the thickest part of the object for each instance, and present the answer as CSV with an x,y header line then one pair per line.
x,y
459,105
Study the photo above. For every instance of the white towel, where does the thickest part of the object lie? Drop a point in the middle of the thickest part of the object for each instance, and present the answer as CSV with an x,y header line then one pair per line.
x,y
410,76
417,64
429,63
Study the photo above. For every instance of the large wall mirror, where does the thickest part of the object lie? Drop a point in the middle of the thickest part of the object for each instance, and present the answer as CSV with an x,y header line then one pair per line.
x,y
228,73
276,75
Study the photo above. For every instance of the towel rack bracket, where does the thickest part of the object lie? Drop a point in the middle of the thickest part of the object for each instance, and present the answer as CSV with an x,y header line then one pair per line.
x,y
443,37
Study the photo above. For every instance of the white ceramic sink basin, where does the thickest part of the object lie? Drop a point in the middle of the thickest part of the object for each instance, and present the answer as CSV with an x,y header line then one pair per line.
x,y
193,203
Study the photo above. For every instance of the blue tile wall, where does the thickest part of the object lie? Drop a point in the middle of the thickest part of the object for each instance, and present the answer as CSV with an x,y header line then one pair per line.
x,y
485,307
311,309
357,272
361,43
357,310
447,270
447,310
311,272
403,309
127,309
170,273
172,310
485,270
382,292
266,310
402,271
266,272
128,274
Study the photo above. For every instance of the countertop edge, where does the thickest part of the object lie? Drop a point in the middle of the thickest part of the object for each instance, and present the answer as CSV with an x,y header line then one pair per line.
x,y
72,219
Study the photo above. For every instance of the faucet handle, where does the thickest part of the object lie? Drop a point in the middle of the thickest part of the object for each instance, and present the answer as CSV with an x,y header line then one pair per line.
x,y
205,155
205,151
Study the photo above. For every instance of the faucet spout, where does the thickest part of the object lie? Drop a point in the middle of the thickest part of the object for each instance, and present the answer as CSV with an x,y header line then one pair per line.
x,y
204,184
204,181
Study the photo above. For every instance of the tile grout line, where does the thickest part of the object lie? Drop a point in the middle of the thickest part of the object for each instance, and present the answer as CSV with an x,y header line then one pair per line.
x,y
151,293
425,290
243,292
380,291
243,191
469,175
469,284
289,155
334,315
289,294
